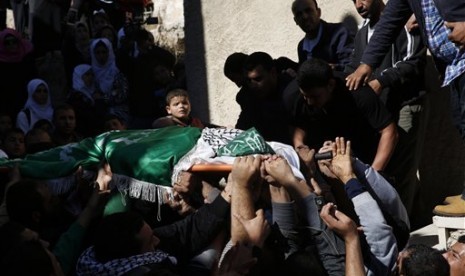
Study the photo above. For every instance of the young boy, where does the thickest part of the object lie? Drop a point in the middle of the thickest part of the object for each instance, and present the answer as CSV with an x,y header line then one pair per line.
x,y
113,122
179,108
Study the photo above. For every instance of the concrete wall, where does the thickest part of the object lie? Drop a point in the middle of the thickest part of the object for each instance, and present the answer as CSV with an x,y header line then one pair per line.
x,y
224,27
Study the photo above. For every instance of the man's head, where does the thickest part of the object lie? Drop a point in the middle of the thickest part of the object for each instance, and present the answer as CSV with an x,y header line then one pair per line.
x,y
422,260
37,140
122,235
455,256
64,119
13,143
369,8
234,68
178,104
113,122
307,15
316,82
29,203
24,253
262,78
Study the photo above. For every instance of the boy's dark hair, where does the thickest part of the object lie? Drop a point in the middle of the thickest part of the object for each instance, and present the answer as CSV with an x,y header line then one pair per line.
x,y
314,73
10,132
61,107
116,236
22,199
422,260
36,147
109,117
27,258
234,63
175,93
259,58
42,123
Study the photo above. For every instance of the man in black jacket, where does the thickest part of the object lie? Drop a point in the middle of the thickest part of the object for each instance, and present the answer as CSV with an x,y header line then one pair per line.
x,y
330,42
441,26
398,81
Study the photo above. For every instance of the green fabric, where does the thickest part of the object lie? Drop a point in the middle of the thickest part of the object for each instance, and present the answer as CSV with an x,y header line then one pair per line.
x,y
246,143
145,155
69,247
117,203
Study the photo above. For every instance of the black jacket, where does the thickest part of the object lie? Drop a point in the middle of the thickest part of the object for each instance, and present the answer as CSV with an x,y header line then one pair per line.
x,y
394,17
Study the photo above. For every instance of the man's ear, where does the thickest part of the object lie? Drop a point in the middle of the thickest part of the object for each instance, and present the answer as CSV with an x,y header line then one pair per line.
x,y
168,109
318,10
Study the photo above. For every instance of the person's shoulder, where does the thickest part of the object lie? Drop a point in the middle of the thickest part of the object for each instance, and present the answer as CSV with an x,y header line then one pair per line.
x,y
330,26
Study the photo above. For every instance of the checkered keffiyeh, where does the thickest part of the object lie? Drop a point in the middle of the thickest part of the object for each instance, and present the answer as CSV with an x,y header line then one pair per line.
x,y
439,44
88,265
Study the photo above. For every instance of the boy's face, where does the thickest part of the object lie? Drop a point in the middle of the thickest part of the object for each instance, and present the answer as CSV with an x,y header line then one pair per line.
x,y
114,124
179,107
14,145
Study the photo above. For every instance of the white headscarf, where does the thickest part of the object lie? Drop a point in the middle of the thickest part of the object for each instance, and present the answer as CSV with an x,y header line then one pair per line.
x,y
38,112
104,74
78,82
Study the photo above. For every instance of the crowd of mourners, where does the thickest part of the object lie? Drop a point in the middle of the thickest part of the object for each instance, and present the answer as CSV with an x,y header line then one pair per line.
x,y
350,106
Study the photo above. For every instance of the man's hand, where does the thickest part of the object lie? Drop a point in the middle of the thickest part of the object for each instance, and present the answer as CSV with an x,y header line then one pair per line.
x,y
257,228
104,176
323,165
278,168
359,77
376,86
246,170
187,183
338,221
412,23
306,155
341,164
457,34
179,204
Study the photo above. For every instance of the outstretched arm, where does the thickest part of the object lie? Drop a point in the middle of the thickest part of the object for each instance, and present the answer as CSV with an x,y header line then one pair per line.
x,y
344,226
386,145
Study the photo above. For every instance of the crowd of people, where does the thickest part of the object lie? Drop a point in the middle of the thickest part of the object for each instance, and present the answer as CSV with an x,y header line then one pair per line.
x,y
356,100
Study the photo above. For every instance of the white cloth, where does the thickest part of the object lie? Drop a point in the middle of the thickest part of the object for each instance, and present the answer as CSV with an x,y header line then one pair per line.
x,y
37,111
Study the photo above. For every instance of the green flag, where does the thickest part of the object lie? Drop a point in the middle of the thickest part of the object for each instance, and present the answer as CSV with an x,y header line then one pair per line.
x,y
246,143
140,160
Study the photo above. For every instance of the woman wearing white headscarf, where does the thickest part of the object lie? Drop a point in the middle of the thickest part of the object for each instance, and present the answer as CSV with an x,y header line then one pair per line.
x,y
87,101
109,79
38,105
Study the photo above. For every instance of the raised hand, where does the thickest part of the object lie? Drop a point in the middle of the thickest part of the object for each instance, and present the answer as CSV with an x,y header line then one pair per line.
x,y
338,221
278,168
341,164
257,228
246,170
306,155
